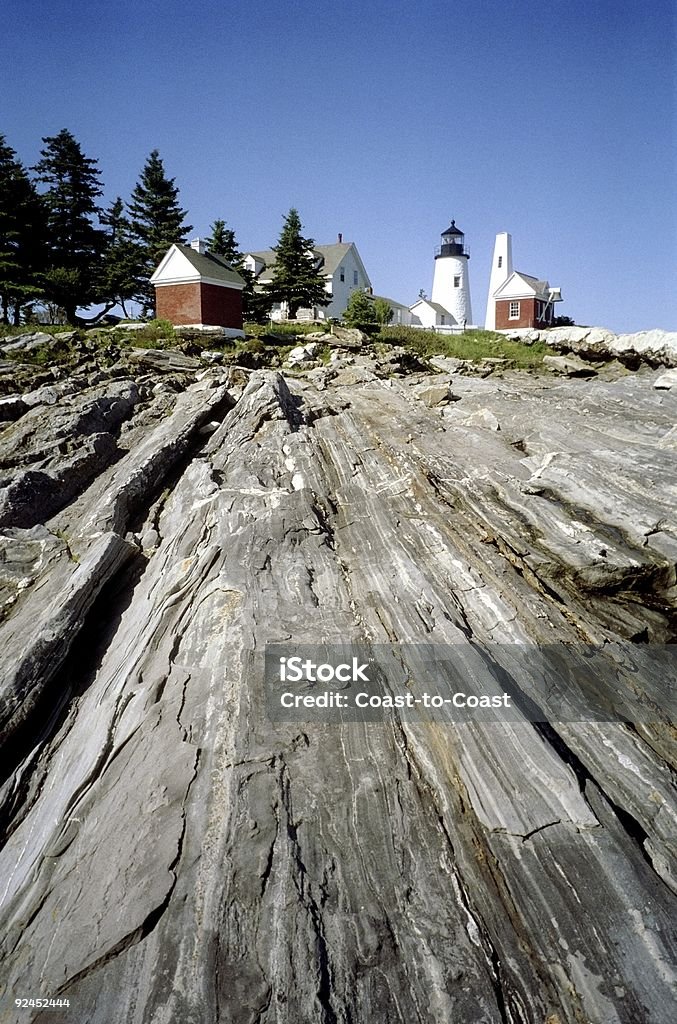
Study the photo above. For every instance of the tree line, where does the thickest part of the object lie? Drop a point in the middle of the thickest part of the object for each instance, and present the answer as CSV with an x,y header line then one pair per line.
x,y
59,247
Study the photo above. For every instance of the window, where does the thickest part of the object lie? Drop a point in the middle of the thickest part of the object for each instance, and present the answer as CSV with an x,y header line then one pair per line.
x,y
500,262
355,278
457,281
442,319
342,273
514,313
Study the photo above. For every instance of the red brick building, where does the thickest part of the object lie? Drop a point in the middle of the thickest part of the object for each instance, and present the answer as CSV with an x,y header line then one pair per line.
x,y
524,301
195,288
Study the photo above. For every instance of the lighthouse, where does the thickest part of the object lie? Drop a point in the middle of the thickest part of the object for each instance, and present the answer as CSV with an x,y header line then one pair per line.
x,y
451,283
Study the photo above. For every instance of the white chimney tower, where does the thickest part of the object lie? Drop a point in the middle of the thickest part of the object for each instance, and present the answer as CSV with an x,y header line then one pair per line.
x,y
501,269
451,284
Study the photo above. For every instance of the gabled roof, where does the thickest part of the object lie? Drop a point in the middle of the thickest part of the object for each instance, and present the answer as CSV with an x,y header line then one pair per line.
x,y
519,285
181,262
329,258
208,264
391,302
433,305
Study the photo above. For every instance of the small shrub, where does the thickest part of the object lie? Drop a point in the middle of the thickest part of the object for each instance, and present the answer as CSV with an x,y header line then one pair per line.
x,y
163,328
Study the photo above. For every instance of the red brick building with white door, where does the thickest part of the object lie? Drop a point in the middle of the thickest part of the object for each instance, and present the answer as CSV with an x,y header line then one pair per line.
x,y
196,288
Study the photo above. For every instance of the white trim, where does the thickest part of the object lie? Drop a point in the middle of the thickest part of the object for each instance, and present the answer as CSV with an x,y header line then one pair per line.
x,y
200,280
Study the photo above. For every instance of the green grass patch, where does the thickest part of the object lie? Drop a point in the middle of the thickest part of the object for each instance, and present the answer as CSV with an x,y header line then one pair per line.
x,y
10,331
154,334
471,345
282,329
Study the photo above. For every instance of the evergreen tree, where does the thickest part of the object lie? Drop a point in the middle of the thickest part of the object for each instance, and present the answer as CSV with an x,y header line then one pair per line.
x,y
360,309
157,219
74,242
383,312
122,275
256,305
296,280
21,236
222,242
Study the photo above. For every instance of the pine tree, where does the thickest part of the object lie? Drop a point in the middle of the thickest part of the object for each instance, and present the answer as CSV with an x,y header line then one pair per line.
x,y
360,309
122,275
222,242
21,236
157,219
74,242
296,279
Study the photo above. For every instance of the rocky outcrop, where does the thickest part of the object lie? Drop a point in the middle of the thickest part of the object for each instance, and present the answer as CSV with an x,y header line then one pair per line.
x,y
655,347
172,852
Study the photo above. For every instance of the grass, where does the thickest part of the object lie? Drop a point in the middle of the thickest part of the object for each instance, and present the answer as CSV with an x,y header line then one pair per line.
x,y
471,345
280,328
10,331
155,334
272,342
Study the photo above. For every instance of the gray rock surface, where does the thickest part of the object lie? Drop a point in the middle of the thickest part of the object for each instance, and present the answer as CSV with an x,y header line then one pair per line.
x,y
27,342
655,347
570,366
666,380
172,854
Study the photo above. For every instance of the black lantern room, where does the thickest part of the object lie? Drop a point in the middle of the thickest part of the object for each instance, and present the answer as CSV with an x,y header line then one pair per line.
x,y
453,242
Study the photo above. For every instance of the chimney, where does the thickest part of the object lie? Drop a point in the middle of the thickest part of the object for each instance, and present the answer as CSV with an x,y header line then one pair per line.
x,y
340,237
199,245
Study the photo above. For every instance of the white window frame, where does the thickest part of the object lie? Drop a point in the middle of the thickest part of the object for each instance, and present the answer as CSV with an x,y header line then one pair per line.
x,y
342,273
514,310
355,279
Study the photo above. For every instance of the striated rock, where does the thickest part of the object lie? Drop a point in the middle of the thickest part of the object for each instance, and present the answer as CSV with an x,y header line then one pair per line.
x,y
27,342
172,851
167,360
447,364
666,381
346,337
655,347
570,366
303,354
483,418
433,395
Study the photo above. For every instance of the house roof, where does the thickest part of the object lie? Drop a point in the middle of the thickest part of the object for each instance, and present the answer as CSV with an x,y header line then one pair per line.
x,y
519,284
209,265
330,257
392,302
433,305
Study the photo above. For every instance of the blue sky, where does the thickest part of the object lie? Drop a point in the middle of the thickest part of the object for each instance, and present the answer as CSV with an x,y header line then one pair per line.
x,y
383,120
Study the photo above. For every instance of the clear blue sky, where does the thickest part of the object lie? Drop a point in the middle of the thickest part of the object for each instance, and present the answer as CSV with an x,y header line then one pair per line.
x,y
383,119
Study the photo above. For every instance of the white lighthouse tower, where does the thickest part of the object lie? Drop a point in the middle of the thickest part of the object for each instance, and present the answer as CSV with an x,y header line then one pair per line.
x,y
451,283
501,269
